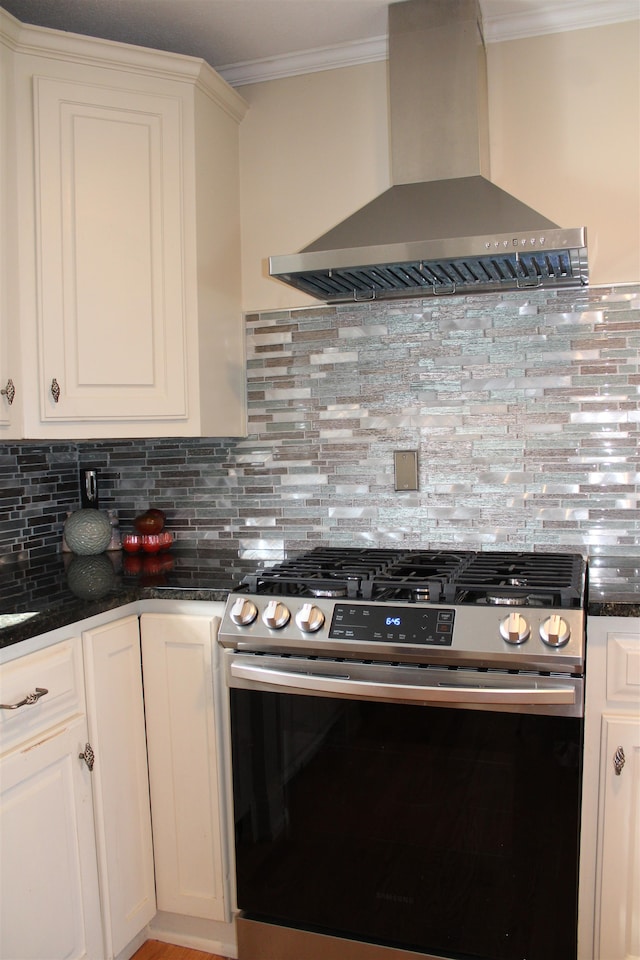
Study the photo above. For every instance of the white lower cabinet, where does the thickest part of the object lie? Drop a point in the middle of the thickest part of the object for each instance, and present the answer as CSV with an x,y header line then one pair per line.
x,y
610,854
618,883
76,857
49,898
113,678
178,653
88,760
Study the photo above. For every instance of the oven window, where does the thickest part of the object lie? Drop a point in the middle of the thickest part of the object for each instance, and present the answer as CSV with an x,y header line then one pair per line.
x,y
449,831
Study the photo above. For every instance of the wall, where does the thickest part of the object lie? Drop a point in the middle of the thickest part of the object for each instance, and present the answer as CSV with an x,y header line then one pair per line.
x,y
564,134
565,128
524,410
313,149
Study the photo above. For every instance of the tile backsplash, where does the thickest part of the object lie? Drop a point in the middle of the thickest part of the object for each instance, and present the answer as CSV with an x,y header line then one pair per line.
x,y
523,408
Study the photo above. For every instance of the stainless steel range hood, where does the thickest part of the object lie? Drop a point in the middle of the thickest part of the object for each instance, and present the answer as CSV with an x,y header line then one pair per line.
x,y
443,228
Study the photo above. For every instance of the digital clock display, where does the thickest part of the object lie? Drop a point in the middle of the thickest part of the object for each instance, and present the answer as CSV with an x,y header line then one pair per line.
x,y
385,624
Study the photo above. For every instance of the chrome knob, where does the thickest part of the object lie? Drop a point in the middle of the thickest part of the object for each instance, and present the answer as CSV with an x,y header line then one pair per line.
x,y
619,760
243,612
554,631
88,756
276,615
310,618
515,629
9,391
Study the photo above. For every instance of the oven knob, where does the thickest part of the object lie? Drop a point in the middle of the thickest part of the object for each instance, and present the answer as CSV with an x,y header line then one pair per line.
x,y
310,618
276,615
554,631
514,628
243,612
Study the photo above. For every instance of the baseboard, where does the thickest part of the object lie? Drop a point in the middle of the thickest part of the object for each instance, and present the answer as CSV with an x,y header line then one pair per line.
x,y
134,945
211,936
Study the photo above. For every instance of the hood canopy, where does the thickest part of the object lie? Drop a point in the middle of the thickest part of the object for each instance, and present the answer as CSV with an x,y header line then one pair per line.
x,y
443,228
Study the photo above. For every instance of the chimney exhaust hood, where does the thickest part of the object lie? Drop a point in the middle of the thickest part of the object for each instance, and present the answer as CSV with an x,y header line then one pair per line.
x,y
443,227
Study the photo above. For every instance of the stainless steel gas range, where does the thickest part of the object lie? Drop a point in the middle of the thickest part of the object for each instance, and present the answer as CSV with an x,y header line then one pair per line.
x,y
407,754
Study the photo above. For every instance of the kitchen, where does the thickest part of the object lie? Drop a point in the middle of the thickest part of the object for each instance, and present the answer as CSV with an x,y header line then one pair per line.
x,y
318,463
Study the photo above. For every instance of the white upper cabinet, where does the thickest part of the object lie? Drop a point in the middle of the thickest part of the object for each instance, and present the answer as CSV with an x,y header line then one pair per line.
x,y
126,282
110,243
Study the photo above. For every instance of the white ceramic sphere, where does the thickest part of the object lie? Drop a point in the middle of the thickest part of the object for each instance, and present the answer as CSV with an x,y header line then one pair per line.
x,y
87,531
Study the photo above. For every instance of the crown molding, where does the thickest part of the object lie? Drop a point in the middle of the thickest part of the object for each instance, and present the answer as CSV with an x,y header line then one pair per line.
x,y
549,17
305,61
553,17
24,38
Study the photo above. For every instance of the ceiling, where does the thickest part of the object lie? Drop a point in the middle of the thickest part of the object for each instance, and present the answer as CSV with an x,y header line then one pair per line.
x,y
250,40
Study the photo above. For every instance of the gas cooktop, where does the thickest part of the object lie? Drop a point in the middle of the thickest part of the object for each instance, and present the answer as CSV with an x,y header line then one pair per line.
x,y
435,576
488,610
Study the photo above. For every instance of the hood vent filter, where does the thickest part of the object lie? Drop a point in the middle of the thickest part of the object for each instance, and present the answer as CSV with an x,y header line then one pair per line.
x,y
411,278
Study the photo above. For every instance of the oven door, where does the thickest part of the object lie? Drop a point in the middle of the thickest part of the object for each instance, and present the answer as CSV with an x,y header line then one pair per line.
x,y
406,812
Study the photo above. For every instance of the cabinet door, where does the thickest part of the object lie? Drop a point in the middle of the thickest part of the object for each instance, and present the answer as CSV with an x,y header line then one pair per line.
x,y
109,197
49,898
619,882
120,780
177,655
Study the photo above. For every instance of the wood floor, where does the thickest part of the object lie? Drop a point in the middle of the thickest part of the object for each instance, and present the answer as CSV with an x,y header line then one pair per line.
x,y
155,950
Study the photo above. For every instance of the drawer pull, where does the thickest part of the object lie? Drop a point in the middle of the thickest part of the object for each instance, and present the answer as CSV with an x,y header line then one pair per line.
x,y
30,698
88,756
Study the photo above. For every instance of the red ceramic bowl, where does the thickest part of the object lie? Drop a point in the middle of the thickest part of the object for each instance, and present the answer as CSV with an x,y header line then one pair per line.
x,y
151,542
132,542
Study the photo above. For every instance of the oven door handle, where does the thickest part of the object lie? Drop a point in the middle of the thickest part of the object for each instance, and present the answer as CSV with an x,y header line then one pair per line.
x,y
372,690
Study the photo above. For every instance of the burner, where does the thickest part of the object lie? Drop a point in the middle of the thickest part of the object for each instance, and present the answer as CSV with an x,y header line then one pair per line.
x,y
329,592
502,598
508,600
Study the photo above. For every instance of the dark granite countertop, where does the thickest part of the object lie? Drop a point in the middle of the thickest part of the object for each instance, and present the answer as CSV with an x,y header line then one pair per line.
x,y
614,586
39,594
43,593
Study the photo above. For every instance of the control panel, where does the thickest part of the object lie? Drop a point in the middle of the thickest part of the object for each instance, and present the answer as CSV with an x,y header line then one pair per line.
x,y
389,624
526,637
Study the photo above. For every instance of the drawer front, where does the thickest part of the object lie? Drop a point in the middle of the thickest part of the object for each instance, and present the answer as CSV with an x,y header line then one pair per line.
x,y
58,670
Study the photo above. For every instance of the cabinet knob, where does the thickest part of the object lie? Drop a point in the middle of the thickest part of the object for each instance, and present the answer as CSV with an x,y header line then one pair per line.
x,y
88,756
9,391
55,390
619,761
